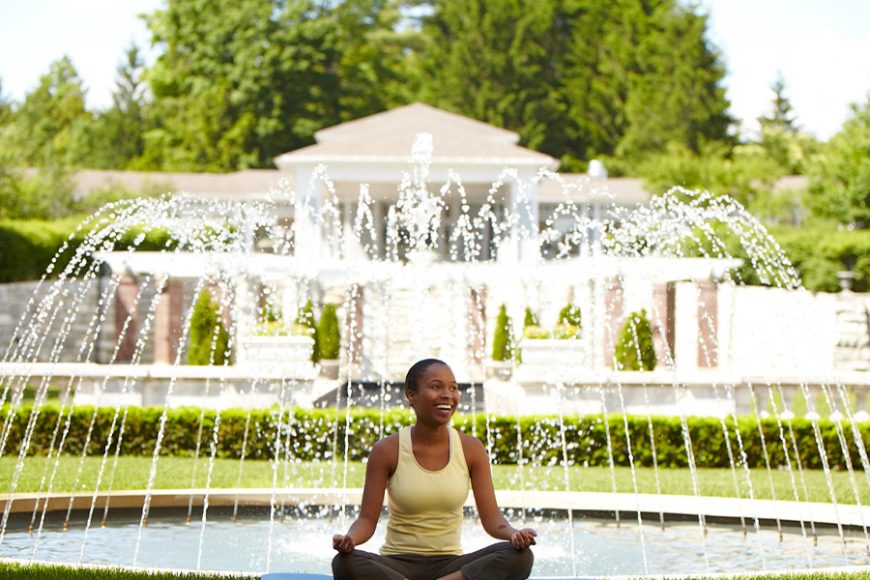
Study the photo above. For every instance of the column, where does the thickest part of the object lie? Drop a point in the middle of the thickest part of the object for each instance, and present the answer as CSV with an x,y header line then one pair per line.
x,y
354,325
614,317
306,219
663,316
708,324
125,308
168,321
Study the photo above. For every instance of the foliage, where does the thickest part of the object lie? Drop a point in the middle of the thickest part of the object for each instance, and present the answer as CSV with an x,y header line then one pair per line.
x,y
820,250
306,318
208,340
571,315
240,82
41,571
28,247
578,79
503,344
313,432
559,332
840,176
530,319
745,172
634,348
281,328
329,334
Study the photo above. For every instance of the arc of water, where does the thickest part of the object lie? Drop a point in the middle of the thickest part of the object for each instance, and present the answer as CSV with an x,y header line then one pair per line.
x,y
560,387
847,459
143,520
823,455
786,454
765,454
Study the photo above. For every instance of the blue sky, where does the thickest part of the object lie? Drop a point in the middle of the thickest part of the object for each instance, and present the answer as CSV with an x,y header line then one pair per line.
x,y
821,47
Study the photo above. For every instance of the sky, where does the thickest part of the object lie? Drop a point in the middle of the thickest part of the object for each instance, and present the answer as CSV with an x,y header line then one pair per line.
x,y
821,48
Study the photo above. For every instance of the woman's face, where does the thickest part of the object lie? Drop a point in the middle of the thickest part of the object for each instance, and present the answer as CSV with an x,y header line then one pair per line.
x,y
437,395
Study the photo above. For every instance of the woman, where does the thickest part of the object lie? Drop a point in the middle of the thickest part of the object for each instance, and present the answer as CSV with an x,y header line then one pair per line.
x,y
427,469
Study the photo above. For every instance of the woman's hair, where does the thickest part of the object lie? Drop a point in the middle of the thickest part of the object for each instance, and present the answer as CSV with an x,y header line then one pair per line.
x,y
418,369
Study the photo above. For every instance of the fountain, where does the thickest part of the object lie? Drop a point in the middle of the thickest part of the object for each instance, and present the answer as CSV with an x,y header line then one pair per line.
x,y
113,328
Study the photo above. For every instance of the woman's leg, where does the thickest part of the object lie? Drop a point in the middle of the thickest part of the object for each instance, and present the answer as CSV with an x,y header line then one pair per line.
x,y
500,561
360,565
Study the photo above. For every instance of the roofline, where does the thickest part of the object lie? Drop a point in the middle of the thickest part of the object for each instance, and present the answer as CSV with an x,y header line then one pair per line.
x,y
289,159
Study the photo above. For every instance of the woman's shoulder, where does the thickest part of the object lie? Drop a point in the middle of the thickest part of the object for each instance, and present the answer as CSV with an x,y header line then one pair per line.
x,y
386,450
472,448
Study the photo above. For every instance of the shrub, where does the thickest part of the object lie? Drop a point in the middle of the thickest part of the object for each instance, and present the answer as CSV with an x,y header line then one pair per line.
x,y
634,349
503,340
571,316
313,432
328,334
208,340
531,319
305,317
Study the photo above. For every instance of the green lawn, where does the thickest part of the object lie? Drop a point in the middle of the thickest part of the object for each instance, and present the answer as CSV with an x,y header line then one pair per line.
x,y
47,572
175,472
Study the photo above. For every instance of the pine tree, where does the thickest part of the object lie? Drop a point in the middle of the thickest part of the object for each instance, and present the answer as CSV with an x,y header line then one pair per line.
x,y
782,116
634,349
530,319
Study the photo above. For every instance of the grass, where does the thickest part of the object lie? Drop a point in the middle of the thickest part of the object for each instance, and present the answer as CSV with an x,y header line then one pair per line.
x,y
176,473
51,572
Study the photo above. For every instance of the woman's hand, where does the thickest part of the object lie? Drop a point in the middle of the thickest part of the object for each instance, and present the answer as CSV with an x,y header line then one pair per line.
x,y
523,538
343,543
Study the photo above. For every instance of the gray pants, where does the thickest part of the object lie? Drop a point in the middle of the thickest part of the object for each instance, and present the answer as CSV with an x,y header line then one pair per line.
x,y
499,561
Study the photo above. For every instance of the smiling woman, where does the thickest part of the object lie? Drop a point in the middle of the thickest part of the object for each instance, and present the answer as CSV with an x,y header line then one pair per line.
x,y
428,469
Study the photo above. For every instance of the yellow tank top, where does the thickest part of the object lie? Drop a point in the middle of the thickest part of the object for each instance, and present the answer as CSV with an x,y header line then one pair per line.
x,y
426,506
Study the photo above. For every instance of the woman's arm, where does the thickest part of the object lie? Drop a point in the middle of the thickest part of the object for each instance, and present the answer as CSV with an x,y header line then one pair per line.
x,y
378,470
491,517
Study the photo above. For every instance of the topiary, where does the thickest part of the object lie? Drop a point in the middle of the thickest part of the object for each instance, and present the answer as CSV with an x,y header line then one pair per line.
x,y
531,319
305,317
208,339
571,315
503,340
328,334
634,349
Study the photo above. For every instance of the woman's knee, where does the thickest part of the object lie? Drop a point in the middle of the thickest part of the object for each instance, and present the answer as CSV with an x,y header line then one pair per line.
x,y
520,562
343,566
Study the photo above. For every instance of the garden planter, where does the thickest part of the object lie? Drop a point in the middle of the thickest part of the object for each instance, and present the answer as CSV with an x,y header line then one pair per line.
x,y
275,350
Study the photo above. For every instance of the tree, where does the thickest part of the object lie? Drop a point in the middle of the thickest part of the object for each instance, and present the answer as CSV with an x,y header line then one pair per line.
x,y
208,339
328,334
118,133
305,317
530,319
503,343
840,174
571,315
782,113
634,349
240,82
46,130
673,83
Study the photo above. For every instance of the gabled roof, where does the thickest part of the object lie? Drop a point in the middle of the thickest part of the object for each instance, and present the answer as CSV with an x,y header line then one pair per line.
x,y
389,136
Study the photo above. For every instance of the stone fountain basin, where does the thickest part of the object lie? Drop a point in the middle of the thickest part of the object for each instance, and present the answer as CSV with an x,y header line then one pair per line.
x,y
300,543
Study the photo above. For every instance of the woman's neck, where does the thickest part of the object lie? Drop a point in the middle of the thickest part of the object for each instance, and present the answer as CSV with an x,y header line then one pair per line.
x,y
429,434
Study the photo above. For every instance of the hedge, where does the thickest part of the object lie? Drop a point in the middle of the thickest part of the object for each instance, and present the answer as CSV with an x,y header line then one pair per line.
x,y
28,246
313,432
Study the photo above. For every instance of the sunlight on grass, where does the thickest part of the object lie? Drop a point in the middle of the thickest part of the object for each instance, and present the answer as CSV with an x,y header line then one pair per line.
x,y
178,473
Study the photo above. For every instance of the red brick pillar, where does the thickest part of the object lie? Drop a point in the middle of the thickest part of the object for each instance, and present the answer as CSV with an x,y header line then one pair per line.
x,y
614,317
168,320
354,324
477,326
708,324
125,308
663,322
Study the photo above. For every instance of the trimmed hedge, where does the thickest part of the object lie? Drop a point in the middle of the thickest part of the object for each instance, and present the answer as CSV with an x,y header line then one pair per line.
x,y
312,433
27,247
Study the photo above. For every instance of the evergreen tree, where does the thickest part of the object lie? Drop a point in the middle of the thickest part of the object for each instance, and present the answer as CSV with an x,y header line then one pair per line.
x,y
782,115
503,344
329,334
634,349
118,133
571,315
840,176
306,318
530,319
208,339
